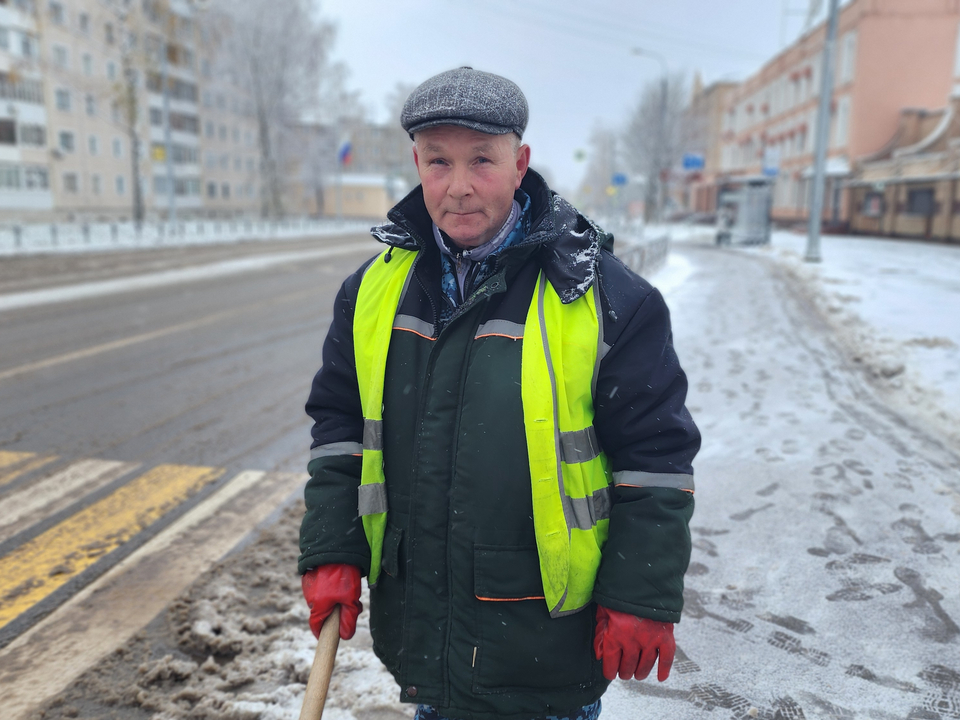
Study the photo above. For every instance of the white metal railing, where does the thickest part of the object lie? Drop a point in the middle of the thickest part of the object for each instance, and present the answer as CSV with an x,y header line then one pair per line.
x,y
643,249
17,239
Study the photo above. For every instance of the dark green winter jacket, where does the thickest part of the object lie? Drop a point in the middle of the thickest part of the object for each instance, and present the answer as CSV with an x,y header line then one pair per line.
x,y
460,524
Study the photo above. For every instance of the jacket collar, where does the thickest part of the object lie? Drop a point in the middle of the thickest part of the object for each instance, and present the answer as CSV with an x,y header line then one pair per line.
x,y
566,243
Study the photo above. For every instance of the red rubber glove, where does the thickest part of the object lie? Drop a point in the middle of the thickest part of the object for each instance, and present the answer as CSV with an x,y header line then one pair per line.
x,y
325,587
631,645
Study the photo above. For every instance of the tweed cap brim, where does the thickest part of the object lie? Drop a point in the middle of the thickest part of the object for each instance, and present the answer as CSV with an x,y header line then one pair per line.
x,y
469,98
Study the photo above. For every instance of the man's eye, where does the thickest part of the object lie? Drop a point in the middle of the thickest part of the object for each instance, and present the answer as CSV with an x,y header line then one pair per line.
x,y
438,161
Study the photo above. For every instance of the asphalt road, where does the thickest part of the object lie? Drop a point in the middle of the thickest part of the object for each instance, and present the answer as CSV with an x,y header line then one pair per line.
x,y
131,417
824,576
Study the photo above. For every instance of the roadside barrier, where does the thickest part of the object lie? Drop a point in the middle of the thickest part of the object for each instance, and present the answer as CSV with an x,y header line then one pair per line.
x,y
81,237
643,250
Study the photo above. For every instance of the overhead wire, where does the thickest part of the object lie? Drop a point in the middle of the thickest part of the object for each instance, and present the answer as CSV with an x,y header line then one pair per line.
x,y
602,30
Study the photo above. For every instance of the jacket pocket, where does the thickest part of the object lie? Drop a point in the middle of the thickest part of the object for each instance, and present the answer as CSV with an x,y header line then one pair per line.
x,y
520,646
387,603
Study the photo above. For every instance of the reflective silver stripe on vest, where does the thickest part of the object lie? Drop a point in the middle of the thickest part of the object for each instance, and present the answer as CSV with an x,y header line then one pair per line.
x,y
578,446
604,349
373,499
501,327
338,448
638,478
588,511
372,434
414,324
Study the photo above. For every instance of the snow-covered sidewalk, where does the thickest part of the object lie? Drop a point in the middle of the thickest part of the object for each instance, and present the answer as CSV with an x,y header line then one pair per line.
x,y
895,307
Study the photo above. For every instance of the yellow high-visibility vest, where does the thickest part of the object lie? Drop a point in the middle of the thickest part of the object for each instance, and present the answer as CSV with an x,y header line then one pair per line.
x,y
570,476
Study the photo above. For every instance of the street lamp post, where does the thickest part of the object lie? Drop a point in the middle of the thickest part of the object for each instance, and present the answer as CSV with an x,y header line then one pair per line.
x,y
822,138
662,129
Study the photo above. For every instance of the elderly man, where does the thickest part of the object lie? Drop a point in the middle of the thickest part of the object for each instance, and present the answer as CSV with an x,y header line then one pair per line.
x,y
501,443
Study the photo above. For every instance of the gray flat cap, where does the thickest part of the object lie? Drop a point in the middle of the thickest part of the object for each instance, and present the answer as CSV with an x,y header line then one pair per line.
x,y
478,100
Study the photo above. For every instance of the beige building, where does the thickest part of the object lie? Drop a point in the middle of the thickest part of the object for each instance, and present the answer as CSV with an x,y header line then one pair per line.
x,y
703,128
358,195
911,188
891,54
67,144
24,128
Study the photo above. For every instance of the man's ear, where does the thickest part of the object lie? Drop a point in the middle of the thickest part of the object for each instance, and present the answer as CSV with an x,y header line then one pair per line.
x,y
523,162
416,159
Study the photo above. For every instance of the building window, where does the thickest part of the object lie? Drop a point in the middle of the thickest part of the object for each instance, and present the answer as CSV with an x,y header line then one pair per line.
x,y
66,141
224,162
63,99
83,20
93,145
872,205
87,64
211,160
842,127
108,33
223,132
211,132
117,148
8,132
95,184
57,15
111,70
848,56
4,39
237,164
71,183
91,102
211,189
121,185
236,134
921,202
33,135
9,177
26,46
36,178
225,191
60,58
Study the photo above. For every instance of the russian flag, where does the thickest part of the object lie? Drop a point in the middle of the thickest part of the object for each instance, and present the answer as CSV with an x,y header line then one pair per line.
x,y
345,154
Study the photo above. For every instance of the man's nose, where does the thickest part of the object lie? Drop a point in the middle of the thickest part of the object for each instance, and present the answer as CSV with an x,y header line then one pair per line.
x,y
460,184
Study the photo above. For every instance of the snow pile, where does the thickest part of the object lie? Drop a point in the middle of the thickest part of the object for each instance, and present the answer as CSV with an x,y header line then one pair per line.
x,y
237,646
895,308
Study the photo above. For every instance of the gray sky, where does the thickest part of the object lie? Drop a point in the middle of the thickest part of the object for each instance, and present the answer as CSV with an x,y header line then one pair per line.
x,y
571,58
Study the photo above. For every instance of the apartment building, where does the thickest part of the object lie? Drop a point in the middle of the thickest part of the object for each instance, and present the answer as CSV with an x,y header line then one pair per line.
x,y
891,54
24,128
703,128
86,100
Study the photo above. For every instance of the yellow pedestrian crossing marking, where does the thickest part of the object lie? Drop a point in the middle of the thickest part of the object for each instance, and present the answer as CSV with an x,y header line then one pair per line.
x,y
16,464
34,570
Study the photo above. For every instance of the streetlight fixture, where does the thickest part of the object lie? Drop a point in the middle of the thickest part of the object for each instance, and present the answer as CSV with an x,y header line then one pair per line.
x,y
662,130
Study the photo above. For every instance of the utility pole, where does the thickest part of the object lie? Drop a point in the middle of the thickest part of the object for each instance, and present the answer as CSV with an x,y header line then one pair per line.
x,y
822,137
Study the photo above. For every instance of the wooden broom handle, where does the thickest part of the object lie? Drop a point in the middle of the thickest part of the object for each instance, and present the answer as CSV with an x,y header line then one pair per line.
x,y
319,681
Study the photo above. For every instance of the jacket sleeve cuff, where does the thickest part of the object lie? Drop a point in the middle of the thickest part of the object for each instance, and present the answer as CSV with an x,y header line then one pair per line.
x,y
643,611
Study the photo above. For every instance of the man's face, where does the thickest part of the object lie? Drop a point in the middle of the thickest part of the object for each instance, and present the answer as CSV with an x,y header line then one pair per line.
x,y
468,180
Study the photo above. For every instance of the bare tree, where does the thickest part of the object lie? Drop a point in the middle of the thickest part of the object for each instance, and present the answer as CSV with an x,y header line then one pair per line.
x,y
276,51
142,33
604,160
653,138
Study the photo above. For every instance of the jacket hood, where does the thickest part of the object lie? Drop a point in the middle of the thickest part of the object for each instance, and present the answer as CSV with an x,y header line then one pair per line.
x,y
568,242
